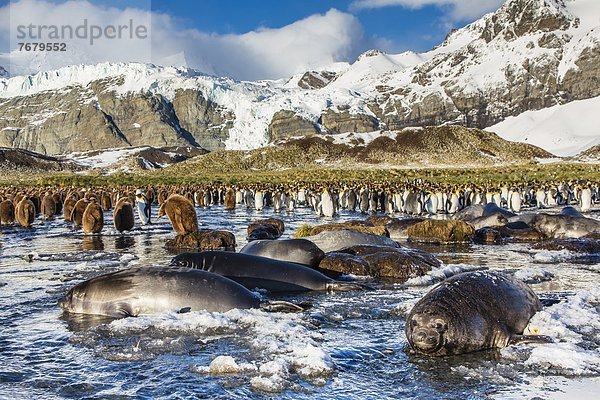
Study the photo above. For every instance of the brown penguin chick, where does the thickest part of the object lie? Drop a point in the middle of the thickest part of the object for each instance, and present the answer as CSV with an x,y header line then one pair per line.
x,y
123,217
37,204
59,201
7,212
230,199
18,198
78,210
106,201
48,206
199,195
150,196
181,213
93,218
25,213
162,196
68,207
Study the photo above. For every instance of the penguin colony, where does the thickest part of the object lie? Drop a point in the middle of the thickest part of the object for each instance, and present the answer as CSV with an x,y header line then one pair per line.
x,y
82,207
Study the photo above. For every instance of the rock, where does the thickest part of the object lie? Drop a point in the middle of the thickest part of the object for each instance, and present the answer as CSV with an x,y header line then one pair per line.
x,y
381,220
400,266
488,236
441,231
208,122
286,124
582,245
343,263
316,79
204,240
527,234
360,226
342,122
380,261
329,241
271,228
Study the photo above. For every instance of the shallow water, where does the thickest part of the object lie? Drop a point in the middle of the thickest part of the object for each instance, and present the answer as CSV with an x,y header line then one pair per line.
x,y
349,345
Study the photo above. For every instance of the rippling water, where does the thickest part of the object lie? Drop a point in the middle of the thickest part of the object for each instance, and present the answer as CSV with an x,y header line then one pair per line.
x,y
349,345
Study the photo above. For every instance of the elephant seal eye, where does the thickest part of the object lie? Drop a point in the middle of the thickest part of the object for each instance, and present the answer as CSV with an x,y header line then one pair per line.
x,y
413,323
440,325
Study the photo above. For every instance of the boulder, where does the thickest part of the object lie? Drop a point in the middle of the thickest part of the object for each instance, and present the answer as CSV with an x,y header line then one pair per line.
x,y
582,245
336,263
441,231
395,263
488,236
360,226
204,240
271,229
526,234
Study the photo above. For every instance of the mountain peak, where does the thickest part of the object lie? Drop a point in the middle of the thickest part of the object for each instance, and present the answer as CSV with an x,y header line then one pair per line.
x,y
517,18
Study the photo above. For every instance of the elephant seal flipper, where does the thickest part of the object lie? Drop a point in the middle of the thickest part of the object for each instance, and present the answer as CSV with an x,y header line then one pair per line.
x,y
337,286
540,339
281,306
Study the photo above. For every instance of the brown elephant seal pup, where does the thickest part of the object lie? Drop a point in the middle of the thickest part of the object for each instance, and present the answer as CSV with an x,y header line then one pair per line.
x,y
7,212
470,312
123,217
25,213
93,218
181,213
150,290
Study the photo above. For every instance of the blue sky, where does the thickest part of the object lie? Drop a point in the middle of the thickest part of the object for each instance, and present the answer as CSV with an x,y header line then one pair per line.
x,y
246,39
403,28
416,25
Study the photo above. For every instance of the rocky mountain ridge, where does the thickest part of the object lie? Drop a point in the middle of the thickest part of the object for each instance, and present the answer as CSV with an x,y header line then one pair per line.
x,y
529,55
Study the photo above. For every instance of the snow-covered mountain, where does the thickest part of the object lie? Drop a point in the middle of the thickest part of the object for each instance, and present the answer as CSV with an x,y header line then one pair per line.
x,y
529,55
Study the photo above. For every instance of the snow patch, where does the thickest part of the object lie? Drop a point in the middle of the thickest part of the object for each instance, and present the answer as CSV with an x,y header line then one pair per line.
x,y
564,130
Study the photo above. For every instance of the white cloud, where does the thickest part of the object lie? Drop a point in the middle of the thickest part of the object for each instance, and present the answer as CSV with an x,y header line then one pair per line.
x,y
264,53
459,10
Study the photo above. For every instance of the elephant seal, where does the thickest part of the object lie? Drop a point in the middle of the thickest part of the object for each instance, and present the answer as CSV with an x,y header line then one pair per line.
x,y
491,221
470,212
492,208
150,290
564,226
472,311
568,210
300,251
335,240
261,272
